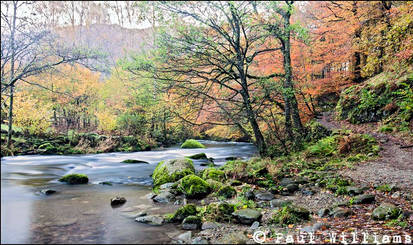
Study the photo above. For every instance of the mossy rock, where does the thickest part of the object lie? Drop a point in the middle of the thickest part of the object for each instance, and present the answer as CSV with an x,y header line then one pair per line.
x,y
215,185
194,187
74,179
199,156
290,215
226,192
386,211
191,223
191,143
213,173
219,211
183,212
134,161
171,171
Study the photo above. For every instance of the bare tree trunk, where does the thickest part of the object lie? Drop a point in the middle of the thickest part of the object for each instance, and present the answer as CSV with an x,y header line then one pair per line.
x,y
13,53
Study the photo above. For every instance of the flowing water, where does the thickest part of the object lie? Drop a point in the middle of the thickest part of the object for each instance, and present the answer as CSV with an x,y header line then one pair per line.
x,y
82,213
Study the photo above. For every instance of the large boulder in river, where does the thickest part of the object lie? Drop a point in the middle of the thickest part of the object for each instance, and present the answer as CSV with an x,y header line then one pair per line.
x,y
74,179
171,171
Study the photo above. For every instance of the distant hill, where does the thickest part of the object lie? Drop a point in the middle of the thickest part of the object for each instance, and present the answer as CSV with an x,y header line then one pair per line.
x,y
111,38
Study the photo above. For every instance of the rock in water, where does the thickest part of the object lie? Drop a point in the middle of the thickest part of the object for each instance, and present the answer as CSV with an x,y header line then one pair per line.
x,y
172,170
247,216
164,197
150,220
48,192
116,201
185,237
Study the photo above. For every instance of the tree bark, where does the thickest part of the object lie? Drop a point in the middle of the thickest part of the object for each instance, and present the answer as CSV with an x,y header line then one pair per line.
x,y
13,53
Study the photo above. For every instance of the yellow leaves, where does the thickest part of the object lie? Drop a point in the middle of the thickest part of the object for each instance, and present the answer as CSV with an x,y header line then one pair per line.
x,y
107,120
31,115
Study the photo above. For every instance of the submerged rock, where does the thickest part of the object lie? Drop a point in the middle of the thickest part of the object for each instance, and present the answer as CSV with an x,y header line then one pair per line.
x,y
116,201
247,216
150,220
48,192
164,197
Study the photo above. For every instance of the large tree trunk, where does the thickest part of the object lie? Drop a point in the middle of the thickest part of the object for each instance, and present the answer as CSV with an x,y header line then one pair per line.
x,y
289,94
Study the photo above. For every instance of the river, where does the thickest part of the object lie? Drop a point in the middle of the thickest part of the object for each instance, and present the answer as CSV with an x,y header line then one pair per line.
x,y
82,213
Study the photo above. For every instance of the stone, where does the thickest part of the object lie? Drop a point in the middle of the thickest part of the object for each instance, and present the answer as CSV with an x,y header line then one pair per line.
x,y
74,179
323,212
116,201
307,192
277,203
172,170
249,195
292,187
210,225
166,186
255,225
396,194
341,212
164,197
264,196
150,220
185,237
315,227
199,240
353,190
247,216
194,187
191,223
364,199
48,192
286,181
386,211
234,238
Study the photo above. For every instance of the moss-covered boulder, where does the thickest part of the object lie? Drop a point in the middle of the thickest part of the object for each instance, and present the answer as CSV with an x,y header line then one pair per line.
x,y
199,156
171,171
183,212
386,211
213,173
219,211
316,131
194,187
290,215
74,179
192,144
226,191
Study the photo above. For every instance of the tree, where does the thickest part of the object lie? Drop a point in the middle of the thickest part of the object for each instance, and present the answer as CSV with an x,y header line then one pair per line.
x,y
29,48
208,59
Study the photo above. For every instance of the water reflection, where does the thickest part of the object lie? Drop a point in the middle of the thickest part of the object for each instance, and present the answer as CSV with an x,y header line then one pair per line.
x,y
82,213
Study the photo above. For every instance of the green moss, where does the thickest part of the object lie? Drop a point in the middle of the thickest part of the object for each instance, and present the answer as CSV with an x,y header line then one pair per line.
x,y
193,186
191,143
133,161
316,131
192,219
215,185
183,212
226,192
290,215
220,212
385,188
199,156
171,171
386,129
73,179
213,173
